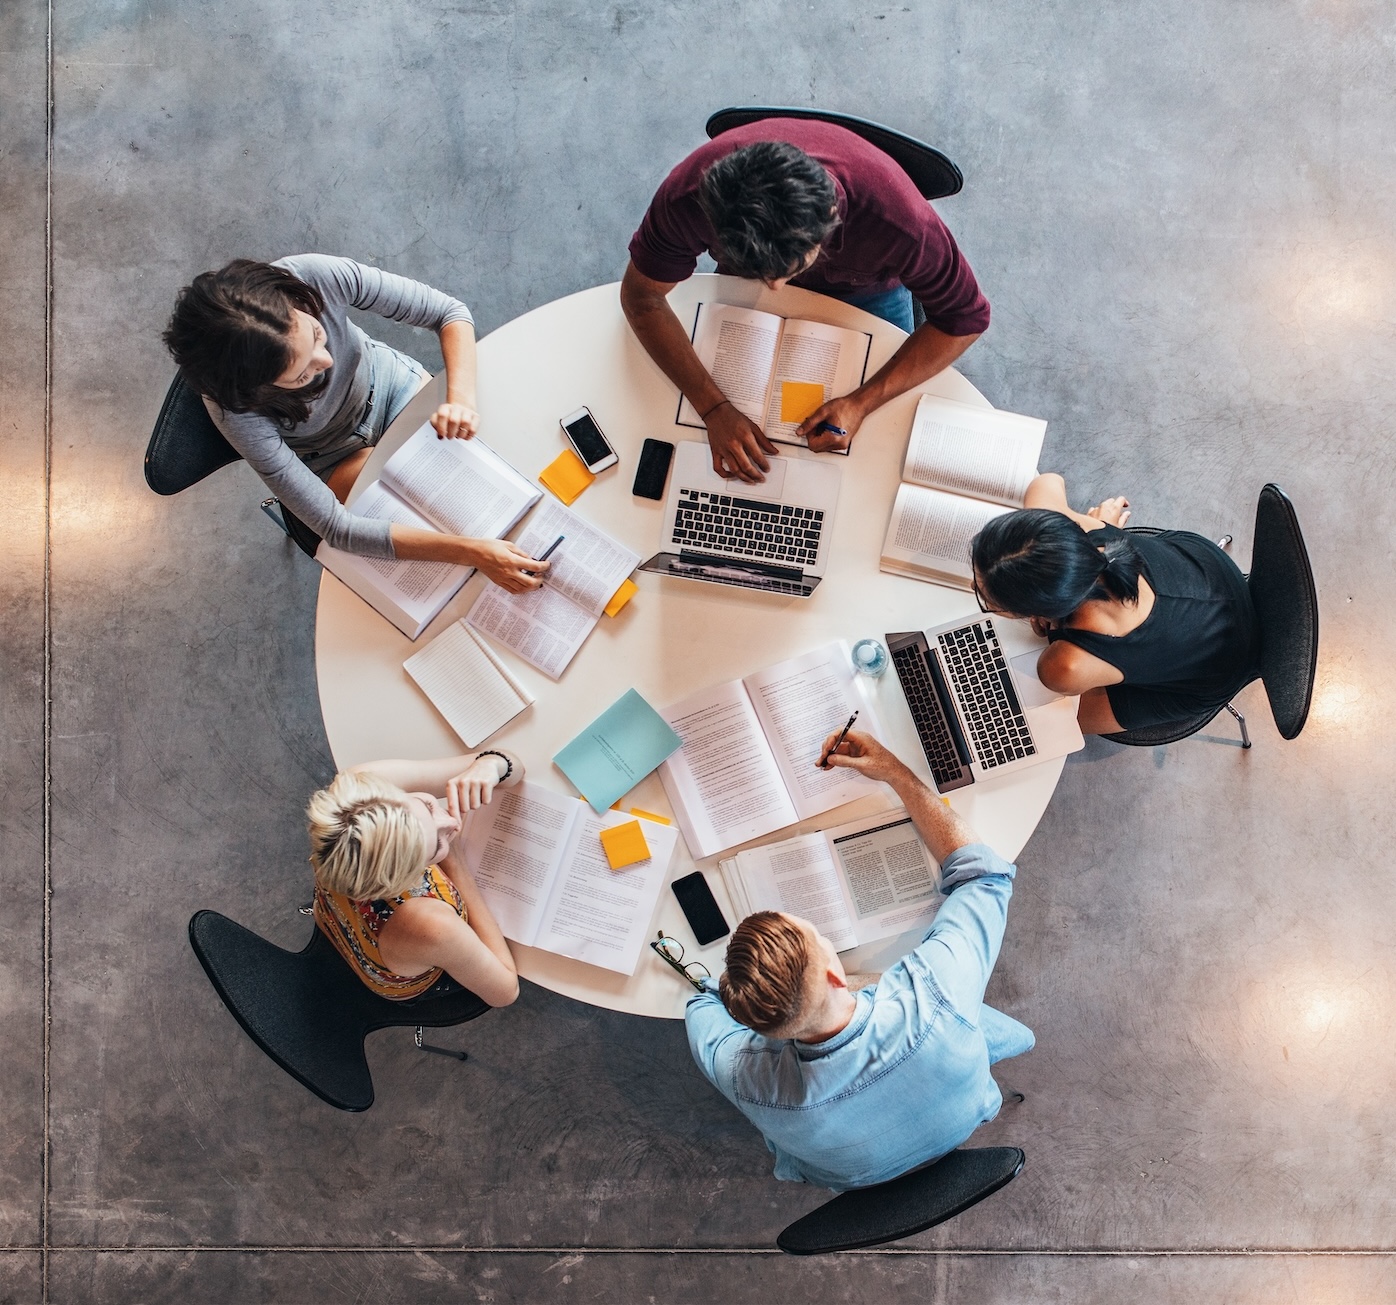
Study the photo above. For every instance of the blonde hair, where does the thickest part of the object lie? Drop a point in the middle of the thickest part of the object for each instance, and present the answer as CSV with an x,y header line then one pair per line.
x,y
366,841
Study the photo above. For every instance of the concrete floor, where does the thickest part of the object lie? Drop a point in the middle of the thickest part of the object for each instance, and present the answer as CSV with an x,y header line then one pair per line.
x,y
1182,215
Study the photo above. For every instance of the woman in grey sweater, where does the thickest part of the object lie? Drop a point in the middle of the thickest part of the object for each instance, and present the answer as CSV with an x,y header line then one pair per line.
x,y
303,394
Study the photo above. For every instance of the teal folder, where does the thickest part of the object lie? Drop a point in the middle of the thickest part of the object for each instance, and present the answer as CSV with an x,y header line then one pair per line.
x,y
617,750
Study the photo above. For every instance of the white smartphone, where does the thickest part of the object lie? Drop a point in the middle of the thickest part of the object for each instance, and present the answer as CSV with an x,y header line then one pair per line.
x,y
585,435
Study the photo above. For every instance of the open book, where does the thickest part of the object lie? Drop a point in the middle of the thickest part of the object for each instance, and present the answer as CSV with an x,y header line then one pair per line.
x,y
459,487
860,883
538,860
751,748
772,368
964,466
546,626
467,683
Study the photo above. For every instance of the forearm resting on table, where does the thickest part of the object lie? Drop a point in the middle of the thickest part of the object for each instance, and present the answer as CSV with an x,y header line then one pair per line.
x,y
661,333
941,829
927,352
413,544
458,353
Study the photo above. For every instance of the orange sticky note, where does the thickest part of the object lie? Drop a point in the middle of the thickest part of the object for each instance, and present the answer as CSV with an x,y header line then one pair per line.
x,y
624,844
566,475
623,595
649,815
798,399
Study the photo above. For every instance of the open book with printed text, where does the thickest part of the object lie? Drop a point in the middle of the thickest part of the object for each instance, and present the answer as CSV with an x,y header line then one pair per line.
x,y
538,860
751,747
859,883
964,466
773,369
458,487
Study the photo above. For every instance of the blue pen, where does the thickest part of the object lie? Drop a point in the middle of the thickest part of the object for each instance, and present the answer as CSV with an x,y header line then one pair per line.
x,y
829,426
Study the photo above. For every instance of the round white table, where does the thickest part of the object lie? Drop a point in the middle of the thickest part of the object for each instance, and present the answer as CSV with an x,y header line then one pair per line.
x,y
674,636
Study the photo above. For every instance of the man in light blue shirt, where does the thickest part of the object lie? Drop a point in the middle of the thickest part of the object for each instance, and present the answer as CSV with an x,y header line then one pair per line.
x,y
847,1088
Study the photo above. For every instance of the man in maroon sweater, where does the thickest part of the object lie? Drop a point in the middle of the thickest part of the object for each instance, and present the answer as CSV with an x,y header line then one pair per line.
x,y
812,204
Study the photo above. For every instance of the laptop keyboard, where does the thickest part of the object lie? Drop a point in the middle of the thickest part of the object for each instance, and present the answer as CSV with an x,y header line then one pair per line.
x,y
936,740
989,705
745,527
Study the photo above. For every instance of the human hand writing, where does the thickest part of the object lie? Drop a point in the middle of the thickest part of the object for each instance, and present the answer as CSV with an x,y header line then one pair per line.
x,y
739,446
455,421
863,753
507,565
846,413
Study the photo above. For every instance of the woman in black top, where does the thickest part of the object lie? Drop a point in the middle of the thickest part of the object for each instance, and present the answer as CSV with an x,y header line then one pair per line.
x,y
1148,629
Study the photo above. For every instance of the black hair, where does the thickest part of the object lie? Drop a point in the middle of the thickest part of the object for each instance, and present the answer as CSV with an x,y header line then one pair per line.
x,y
769,204
1036,562
230,335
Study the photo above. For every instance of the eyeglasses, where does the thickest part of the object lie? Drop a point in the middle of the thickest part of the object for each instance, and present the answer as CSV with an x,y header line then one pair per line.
x,y
978,597
670,951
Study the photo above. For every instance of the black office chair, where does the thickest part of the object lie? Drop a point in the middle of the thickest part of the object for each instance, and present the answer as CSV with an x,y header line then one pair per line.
x,y
186,446
1286,607
934,175
310,1012
870,1216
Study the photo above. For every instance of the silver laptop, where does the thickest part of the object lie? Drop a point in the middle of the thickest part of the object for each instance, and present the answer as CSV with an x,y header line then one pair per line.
x,y
976,701
774,536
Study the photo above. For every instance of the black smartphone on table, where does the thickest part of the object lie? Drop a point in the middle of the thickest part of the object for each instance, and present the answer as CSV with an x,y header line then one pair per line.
x,y
653,471
700,908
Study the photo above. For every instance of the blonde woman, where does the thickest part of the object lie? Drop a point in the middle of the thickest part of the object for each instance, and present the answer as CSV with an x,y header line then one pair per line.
x,y
392,891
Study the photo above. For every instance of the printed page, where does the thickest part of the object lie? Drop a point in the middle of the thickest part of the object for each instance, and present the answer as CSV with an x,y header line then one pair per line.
x,y
970,450
893,884
799,877
814,354
461,486
409,594
800,702
599,915
467,683
588,566
738,347
513,848
929,534
724,783
542,626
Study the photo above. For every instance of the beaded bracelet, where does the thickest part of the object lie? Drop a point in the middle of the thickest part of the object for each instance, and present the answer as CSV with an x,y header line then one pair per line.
x,y
508,765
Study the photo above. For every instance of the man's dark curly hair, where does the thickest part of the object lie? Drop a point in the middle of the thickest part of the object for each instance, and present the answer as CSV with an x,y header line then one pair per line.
x,y
769,204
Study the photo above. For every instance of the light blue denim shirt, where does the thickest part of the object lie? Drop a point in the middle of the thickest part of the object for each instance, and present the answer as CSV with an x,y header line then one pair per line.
x,y
908,1079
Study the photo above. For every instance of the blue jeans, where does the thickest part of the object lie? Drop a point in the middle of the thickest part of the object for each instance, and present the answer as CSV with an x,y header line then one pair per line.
x,y
892,305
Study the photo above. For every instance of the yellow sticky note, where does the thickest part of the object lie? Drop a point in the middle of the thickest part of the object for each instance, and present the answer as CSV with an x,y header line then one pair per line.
x,y
798,399
623,595
566,475
625,844
649,815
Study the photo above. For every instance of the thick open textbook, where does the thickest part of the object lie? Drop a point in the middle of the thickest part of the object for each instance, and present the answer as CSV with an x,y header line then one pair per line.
x,y
467,683
546,626
751,748
459,487
964,466
538,860
860,883
773,369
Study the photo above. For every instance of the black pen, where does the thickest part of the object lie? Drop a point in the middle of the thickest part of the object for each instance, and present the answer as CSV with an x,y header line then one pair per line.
x,y
824,760
548,552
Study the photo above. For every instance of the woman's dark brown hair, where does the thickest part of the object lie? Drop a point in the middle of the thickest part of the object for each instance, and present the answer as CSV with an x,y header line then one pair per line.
x,y
229,333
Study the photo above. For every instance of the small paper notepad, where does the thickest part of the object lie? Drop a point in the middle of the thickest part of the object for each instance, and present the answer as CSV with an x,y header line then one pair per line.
x,y
467,683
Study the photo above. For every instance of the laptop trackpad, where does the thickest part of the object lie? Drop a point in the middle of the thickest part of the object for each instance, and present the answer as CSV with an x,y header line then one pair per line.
x,y
769,490
1031,691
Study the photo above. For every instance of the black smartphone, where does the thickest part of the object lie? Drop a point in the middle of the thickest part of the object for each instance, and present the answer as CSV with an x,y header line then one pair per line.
x,y
700,908
653,471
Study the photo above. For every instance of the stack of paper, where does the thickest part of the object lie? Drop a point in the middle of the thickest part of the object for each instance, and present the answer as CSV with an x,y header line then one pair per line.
x,y
467,683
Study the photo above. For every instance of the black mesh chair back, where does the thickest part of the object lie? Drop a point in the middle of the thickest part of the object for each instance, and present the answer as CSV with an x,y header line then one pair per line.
x,y
308,1011
934,175
1286,606
185,445
869,1216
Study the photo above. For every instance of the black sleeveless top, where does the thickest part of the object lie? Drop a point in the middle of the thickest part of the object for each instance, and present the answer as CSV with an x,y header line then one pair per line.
x,y
1196,648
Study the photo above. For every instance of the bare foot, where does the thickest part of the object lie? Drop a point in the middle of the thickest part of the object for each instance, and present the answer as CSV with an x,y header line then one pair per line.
x,y
1113,511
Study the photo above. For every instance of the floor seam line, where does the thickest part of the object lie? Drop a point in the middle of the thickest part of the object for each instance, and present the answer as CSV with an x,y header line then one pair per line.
x,y
418,1248
45,1163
